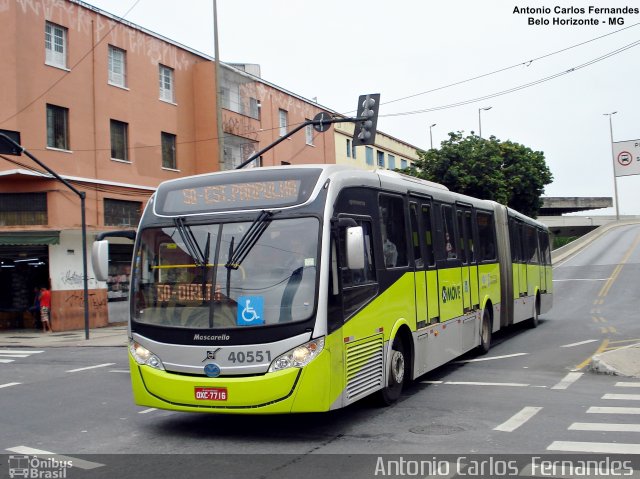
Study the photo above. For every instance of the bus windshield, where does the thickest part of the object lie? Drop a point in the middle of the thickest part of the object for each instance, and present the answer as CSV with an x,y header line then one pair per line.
x,y
184,275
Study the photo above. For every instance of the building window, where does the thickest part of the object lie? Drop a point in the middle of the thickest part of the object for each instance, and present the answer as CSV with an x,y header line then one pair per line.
x,y
254,108
283,121
117,67
166,84
18,209
368,155
119,140
349,148
391,162
308,133
121,213
381,159
55,45
403,163
57,127
169,150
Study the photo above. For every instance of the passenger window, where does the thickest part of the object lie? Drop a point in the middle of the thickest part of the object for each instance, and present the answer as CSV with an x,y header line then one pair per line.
x,y
354,277
415,236
394,244
428,234
449,242
486,237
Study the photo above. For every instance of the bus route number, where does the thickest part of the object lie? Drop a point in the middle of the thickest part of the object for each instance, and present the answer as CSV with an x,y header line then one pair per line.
x,y
249,357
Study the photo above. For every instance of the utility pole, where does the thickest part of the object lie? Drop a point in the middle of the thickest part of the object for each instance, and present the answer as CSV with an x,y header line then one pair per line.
x,y
216,53
615,179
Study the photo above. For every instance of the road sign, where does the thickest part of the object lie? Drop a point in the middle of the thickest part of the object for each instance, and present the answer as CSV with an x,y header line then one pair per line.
x,y
626,156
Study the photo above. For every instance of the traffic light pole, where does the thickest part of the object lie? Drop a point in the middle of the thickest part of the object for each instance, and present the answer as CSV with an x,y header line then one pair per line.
x,y
320,123
82,196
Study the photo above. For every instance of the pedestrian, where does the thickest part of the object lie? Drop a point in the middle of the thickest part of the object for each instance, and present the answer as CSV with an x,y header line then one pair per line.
x,y
45,308
34,309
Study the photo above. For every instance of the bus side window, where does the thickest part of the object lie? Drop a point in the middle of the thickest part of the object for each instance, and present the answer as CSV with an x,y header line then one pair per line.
x,y
428,234
352,277
415,236
486,237
392,228
450,245
469,232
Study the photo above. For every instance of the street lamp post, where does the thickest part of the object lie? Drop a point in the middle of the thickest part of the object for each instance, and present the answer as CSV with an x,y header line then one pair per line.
x,y
430,135
615,180
480,119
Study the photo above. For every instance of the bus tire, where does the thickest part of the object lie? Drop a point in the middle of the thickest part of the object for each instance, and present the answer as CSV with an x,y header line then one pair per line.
x,y
398,370
535,320
485,332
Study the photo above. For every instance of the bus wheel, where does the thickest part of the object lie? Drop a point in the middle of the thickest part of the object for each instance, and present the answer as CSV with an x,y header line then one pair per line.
x,y
485,333
534,321
397,374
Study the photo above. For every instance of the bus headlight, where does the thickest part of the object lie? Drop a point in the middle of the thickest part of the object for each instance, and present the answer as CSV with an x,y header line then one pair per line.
x,y
298,357
143,356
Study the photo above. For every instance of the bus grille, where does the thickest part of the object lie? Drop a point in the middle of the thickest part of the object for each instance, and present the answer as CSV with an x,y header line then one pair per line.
x,y
364,367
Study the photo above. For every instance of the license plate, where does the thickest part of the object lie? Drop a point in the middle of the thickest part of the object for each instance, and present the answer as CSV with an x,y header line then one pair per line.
x,y
211,394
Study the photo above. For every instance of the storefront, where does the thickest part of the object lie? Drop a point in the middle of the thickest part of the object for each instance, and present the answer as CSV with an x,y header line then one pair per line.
x,y
24,268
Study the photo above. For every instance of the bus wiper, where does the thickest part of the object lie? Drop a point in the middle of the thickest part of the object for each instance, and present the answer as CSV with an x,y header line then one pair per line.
x,y
249,240
190,241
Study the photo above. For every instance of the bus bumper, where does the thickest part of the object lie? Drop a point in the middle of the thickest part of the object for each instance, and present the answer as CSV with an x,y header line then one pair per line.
x,y
290,390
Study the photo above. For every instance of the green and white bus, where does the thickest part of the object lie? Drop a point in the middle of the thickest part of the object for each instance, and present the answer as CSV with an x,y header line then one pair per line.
x,y
306,288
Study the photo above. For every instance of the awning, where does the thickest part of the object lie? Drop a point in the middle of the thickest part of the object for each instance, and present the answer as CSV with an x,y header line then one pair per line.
x,y
29,237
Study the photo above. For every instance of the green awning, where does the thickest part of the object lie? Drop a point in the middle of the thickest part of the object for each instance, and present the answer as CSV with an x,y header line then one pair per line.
x,y
29,237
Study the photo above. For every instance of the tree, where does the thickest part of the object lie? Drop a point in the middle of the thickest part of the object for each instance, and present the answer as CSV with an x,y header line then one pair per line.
x,y
506,172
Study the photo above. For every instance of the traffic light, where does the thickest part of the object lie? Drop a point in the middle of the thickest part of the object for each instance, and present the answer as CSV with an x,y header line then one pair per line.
x,y
365,131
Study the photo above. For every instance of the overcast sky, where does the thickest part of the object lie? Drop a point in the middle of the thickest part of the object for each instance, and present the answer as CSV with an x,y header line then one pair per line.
x,y
335,50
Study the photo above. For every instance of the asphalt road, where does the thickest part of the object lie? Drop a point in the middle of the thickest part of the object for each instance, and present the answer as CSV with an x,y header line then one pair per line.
x,y
531,395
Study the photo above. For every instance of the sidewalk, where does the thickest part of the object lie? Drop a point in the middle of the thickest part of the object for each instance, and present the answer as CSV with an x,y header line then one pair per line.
x,y
32,338
620,362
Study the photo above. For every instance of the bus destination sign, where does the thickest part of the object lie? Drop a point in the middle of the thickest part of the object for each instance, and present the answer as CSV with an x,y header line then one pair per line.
x,y
242,190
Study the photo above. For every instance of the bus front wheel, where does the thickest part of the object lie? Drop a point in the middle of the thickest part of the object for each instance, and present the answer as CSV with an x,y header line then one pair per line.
x,y
397,374
485,333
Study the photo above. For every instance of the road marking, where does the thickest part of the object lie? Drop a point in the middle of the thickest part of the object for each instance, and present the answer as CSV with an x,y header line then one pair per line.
x,y
624,397
80,463
19,351
432,382
4,355
518,419
598,319
613,410
580,279
567,381
90,367
607,286
146,411
601,447
491,358
5,361
627,385
604,427
8,385
119,371
601,348
579,344
474,383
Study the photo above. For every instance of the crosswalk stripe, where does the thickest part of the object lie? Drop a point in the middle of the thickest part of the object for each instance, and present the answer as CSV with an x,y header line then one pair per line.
x,y
518,419
613,410
605,427
568,380
624,397
6,385
579,343
90,367
79,463
626,384
19,351
5,361
4,355
490,358
597,447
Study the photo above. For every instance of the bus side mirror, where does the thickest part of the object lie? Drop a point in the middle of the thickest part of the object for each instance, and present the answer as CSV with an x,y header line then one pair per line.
x,y
355,247
100,259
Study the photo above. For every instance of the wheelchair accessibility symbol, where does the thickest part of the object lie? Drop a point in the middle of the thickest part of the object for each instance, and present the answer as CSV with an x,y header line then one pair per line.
x,y
250,310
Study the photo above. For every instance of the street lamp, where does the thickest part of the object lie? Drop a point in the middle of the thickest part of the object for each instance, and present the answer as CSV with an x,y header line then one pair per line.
x,y
615,180
430,135
480,120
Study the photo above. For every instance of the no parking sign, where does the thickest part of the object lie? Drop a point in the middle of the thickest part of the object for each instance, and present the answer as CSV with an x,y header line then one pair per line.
x,y
626,157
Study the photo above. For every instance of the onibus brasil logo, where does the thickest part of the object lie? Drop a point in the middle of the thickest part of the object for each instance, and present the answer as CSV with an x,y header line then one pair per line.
x,y
40,468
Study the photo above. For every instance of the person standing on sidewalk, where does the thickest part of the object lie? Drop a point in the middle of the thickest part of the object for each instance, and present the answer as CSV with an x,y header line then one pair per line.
x,y
45,308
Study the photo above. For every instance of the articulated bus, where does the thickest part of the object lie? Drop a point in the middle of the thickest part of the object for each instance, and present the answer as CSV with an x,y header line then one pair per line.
x,y
306,288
